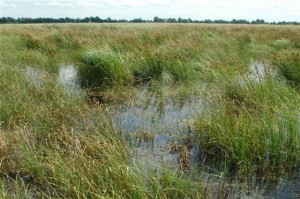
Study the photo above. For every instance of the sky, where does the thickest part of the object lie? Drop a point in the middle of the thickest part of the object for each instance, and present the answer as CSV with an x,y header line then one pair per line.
x,y
269,10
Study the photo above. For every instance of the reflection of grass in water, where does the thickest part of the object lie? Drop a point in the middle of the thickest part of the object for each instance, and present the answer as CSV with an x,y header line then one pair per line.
x,y
143,136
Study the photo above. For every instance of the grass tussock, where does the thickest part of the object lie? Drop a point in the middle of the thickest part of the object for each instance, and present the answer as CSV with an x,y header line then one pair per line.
x,y
149,67
103,68
288,63
253,128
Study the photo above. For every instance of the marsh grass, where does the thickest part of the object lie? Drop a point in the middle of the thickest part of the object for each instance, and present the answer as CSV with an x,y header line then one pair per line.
x,y
254,127
103,68
181,71
149,67
30,42
170,184
55,145
288,63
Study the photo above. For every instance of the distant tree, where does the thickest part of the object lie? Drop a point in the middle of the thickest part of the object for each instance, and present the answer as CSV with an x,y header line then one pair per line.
x,y
69,20
158,20
97,19
137,20
10,20
258,21
171,20
85,20
220,21
207,21
180,20
239,21
122,20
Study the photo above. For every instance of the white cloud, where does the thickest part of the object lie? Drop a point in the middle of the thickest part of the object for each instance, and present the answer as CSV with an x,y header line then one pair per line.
x,y
56,3
85,3
13,5
38,4
2,4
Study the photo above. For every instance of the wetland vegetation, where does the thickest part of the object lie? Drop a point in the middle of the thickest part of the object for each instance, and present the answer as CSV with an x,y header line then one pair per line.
x,y
149,111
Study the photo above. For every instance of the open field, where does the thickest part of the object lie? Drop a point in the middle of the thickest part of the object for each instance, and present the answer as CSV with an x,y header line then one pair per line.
x,y
149,111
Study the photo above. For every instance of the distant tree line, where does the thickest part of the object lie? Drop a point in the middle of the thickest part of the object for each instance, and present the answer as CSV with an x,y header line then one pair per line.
x,y
25,20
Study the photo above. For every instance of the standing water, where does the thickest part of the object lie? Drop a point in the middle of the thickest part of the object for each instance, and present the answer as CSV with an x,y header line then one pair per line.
x,y
33,75
159,131
67,76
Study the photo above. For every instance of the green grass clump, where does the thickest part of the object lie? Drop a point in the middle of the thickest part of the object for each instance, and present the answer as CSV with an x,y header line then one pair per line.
x,y
181,64
254,128
103,68
281,44
244,39
181,72
62,41
30,42
170,184
150,66
288,63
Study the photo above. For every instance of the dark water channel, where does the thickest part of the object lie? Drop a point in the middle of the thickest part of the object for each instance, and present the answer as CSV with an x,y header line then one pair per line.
x,y
160,133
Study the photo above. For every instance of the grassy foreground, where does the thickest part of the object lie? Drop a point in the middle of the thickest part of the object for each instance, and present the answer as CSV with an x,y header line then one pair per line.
x,y
53,147
57,145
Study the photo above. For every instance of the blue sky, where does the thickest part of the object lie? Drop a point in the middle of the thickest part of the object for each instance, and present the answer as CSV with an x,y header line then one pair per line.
x,y
270,10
